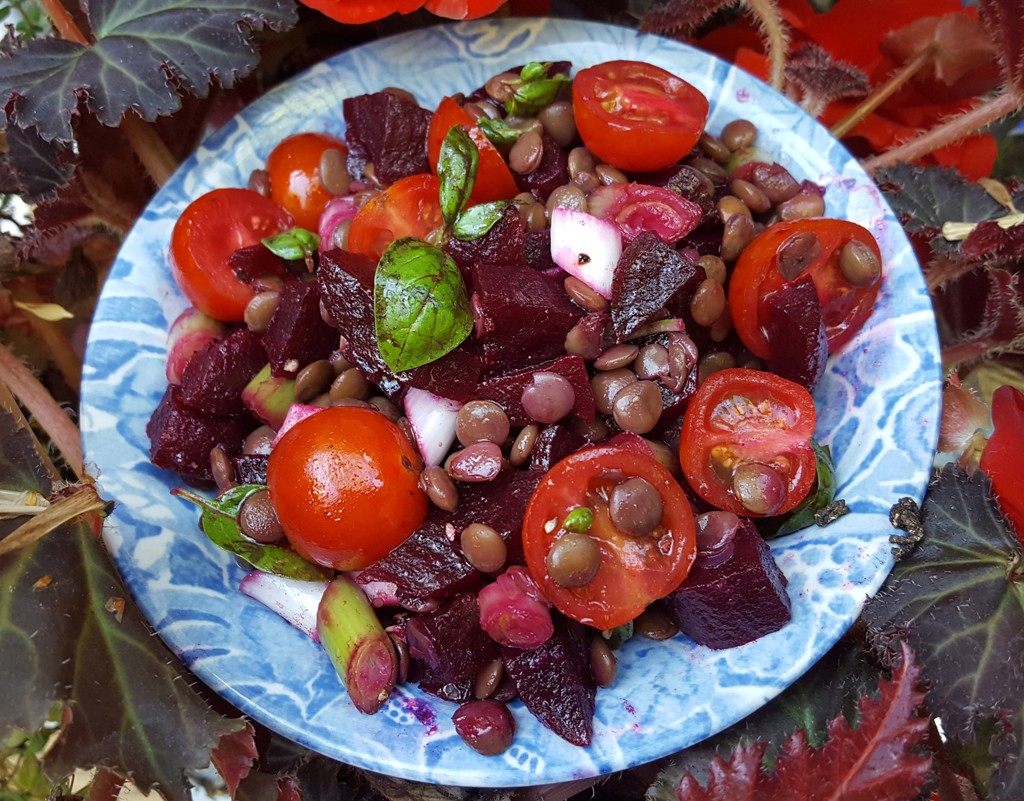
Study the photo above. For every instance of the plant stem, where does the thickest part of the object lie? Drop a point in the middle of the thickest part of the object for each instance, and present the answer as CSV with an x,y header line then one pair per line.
x,y
1007,101
774,31
46,411
884,92
63,22
69,507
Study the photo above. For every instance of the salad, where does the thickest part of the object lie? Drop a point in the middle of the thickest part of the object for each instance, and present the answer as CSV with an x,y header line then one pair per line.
x,y
525,369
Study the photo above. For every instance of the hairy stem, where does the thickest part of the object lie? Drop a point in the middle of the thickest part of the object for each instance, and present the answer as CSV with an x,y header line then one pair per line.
x,y
896,82
774,31
1010,99
83,501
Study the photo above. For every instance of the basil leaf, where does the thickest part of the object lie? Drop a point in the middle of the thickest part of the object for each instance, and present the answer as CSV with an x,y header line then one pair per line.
x,y
420,304
293,245
534,71
456,168
477,220
499,131
821,495
220,523
535,91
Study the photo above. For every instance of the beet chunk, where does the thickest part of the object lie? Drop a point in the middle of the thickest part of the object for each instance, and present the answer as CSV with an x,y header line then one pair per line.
x,y
181,439
551,173
553,444
733,596
388,131
521,316
252,261
250,468
555,682
796,331
503,244
449,649
647,276
507,390
297,334
537,251
500,504
213,380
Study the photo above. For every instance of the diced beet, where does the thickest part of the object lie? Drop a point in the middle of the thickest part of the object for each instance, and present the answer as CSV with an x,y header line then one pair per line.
x,y
648,275
537,251
551,173
389,131
297,334
507,390
795,330
503,244
555,682
214,378
500,504
448,649
553,444
181,439
732,597
253,261
251,468
521,316
346,285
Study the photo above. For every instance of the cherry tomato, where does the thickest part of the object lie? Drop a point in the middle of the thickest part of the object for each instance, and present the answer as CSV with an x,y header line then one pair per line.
x,y
345,484
409,207
636,116
746,442
494,180
633,570
211,228
844,306
294,168
1001,457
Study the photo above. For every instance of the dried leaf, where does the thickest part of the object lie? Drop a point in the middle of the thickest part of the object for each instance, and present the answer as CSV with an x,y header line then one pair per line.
x,y
822,78
1004,21
52,312
234,756
682,17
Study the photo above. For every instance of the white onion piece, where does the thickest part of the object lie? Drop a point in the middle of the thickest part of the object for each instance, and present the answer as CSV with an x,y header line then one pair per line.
x,y
337,211
294,600
586,247
297,412
379,593
433,423
190,333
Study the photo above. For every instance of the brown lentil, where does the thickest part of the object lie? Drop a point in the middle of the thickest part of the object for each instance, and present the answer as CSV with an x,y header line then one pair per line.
x,y
523,444
481,421
586,181
349,384
398,91
258,441
666,456
334,176
616,356
222,469
859,264
708,302
338,362
759,487
737,233
258,519
581,160
498,86
267,282
714,171
484,547
584,296
525,155
635,507
439,488
755,200
548,397
531,211
714,268
488,679
606,386
608,174
739,134
713,362
559,122
730,206
651,361
637,407
602,662
573,560
720,328
260,309
801,206
386,407
475,463
583,340
313,380
654,624
568,196
714,148
776,182
797,253
259,182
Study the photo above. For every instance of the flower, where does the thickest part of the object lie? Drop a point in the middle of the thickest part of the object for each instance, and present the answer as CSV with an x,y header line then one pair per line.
x,y
358,11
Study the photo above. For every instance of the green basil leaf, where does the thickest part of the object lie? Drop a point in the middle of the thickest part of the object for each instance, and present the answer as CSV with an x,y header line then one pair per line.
x,y
535,91
477,220
499,131
534,71
821,495
420,304
294,245
456,169
219,522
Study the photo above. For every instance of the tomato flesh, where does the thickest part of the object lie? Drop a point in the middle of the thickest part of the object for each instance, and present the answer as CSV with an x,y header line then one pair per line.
x,y
844,307
294,168
209,230
740,416
345,485
636,116
634,571
409,207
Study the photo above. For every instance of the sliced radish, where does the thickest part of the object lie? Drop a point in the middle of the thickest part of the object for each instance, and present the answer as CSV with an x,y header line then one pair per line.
x,y
586,247
294,600
297,412
433,423
190,333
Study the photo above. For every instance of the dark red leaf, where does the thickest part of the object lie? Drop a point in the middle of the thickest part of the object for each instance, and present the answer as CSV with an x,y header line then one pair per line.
x,y
1004,20
1000,328
682,17
990,242
234,755
822,77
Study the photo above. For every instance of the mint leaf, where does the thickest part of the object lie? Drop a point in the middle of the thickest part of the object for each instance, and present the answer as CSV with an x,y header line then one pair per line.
x,y
145,52
420,304
477,220
456,169
822,494
535,90
499,131
294,245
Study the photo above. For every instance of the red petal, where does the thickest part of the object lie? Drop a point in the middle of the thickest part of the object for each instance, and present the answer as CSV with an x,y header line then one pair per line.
x,y
463,9
1001,457
355,12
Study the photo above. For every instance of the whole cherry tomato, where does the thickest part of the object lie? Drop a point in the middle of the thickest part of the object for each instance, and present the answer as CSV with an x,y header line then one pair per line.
x,y
494,180
294,168
211,228
829,251
345,484
632,569
409,207
1001,458
636,116
746,442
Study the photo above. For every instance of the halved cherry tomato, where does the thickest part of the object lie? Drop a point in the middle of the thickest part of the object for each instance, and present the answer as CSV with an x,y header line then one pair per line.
x,y
209,230
1001,457
844,306
409,207
345,484
294,168
494,180
749,431
636,116
634,570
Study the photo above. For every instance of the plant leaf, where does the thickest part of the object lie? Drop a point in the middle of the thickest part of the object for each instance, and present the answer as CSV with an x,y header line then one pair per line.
x,y
956,43
234,756
1004,21
293,245
999,296
536,89
420,305
499,131
824,492
682,17
145,52
37,168
477,220
456,169
823,78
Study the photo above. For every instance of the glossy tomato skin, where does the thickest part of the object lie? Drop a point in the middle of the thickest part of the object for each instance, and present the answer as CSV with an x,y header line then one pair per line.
x,y
636,116
409,207
844,307
211,228
494,180
345,484
294,168
1001,458
737,416
634,571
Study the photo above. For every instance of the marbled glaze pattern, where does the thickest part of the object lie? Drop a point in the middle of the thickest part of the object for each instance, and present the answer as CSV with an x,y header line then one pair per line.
x,y
878,405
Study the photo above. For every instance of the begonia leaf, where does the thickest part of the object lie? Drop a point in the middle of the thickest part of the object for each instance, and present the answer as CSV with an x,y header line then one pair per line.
x,y
956,45
1004,21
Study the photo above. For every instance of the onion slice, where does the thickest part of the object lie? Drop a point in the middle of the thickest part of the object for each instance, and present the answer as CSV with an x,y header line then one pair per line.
x,y
338,210
297,412
294,600
586,247
433,423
